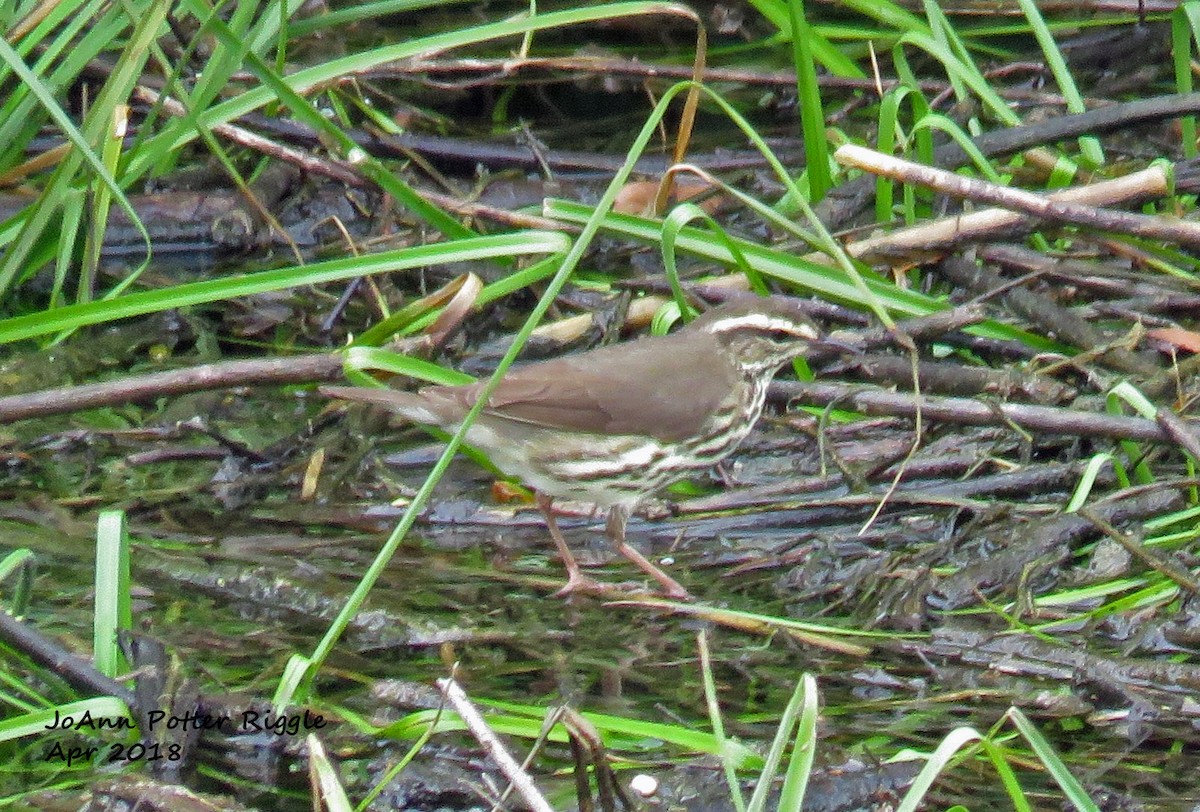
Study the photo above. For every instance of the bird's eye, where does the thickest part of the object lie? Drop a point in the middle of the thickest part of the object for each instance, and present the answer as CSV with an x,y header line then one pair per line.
x,y
780,335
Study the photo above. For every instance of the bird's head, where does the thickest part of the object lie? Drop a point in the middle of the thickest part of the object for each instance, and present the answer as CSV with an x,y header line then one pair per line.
x,y
760,334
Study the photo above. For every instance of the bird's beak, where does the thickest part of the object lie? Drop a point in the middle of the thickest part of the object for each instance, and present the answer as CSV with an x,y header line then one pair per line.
x,y
827,348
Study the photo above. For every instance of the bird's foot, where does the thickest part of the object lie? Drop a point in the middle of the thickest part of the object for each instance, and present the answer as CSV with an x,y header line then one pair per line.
x,y
676,592
671,593
578,583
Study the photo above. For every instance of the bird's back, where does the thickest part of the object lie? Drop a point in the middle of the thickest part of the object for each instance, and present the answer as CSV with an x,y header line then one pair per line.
x,y
651,386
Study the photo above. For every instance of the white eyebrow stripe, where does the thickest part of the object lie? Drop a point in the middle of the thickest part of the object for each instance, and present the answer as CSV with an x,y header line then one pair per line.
x,y
760,320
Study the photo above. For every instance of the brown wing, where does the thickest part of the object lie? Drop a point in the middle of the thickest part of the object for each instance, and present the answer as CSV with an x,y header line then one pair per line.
x,y
661,387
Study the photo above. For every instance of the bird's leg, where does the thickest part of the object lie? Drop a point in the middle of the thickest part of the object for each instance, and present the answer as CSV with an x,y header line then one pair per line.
x,y
618,515
576,580
728,480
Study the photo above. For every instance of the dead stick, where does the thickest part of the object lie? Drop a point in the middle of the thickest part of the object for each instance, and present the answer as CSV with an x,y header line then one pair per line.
x,y
494,747
1135,546
969,412
844,202
950,232
239,135
1168,229
272,371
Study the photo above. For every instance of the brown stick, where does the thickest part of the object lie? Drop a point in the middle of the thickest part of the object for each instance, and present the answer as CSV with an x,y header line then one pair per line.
x,y
495,748
963,411
1153,227
614,66
961,380
76,671
222,375
1041,310
1136,547
948,233
313,164
844,202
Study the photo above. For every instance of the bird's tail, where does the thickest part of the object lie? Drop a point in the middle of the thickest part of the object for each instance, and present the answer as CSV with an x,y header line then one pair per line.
x,y
409,404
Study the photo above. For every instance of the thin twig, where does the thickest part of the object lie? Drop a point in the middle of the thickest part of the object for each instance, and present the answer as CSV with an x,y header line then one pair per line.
x,y
222,375
951,232
1155,227
492,744
1135,547
969,412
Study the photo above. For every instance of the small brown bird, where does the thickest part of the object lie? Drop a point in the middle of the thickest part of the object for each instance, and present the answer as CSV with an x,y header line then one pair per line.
x,y
616,424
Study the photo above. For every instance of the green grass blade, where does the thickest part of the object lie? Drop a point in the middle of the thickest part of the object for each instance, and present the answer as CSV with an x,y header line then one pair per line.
x,y
1069,784
1089,145
795,782
36,722
113,613
212,290
812,112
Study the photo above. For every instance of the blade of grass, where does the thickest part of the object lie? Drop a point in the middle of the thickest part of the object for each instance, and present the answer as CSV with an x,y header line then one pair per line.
x,y
115,91
805,688
795,783
821,280
36,723
212,290
113,613
728,767
1089,145
1069,784
308,79
1185,30
954,741
812,112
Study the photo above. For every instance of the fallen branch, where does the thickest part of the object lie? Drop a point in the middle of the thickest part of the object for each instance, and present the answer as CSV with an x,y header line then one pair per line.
x,y
845,202
968,412
947,233
222,375
1052,208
